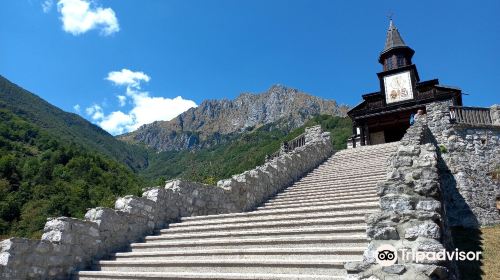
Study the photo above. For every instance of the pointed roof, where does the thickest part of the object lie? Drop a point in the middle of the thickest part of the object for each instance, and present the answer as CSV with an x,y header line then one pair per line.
x,y
393,39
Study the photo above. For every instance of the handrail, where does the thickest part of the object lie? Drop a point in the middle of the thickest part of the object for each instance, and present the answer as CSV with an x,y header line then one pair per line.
x,y
470,115
289,146
296,142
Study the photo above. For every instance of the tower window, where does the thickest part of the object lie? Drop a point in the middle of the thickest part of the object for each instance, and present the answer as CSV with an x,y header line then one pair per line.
x,y
401,61
389,63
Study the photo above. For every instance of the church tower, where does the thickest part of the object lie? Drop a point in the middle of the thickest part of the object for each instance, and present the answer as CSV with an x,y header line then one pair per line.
x,y
384,116
396,53
399,76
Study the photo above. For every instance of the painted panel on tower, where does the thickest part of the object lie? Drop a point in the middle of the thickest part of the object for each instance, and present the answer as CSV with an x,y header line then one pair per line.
x,y
398,87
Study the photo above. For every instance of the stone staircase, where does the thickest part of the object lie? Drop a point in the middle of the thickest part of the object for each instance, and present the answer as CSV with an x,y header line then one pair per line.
x,y
307,231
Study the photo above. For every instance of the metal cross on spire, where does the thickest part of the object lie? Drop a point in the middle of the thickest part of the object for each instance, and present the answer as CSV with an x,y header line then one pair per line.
x,y
390,14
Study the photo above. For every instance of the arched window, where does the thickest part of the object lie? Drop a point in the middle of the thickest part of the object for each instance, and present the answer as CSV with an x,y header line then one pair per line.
x,y
388,63
401,61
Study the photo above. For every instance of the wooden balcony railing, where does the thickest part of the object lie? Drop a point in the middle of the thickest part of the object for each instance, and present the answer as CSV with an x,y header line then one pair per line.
x,y
288,146
470,115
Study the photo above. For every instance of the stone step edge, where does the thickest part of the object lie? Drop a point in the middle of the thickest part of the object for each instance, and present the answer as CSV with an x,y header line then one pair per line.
x,y
354,179
306,221
285,201
336,174
368,156
259,241
361,150
343,186
324,190
186,275
334,183
348,169
251,219
337,202
296,200
219,263
263,232
273,251
281,211
339,191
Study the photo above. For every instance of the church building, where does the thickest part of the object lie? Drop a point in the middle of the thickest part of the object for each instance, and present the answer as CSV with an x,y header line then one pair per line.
x,y
384,116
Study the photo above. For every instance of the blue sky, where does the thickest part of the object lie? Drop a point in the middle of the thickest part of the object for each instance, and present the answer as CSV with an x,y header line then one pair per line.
x,y
162,56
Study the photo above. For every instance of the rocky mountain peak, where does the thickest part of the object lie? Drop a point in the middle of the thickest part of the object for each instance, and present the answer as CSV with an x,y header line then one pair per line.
x,y
213,119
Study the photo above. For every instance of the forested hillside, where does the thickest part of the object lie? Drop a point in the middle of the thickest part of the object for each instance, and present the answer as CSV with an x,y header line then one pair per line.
x,y
244,152
42,176
68,127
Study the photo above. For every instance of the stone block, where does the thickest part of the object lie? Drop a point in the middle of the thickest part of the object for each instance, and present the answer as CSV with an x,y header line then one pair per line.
x,y
427,229
394,269
396,202
429,205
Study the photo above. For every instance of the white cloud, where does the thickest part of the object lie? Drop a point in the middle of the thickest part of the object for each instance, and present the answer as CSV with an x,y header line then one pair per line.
x,y
127,78
122,100
117,122
148,109
145,108
79,16
77,108
95,112
47,5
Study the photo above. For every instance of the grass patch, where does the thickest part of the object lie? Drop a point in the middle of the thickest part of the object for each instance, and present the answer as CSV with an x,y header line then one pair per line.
x,y
491,252
486,240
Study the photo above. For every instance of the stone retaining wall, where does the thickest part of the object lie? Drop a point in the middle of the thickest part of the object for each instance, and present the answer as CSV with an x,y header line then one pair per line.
x,y
70,244
468,155
410,215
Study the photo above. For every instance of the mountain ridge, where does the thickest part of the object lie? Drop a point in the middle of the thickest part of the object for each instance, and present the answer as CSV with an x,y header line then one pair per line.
x,y
214,120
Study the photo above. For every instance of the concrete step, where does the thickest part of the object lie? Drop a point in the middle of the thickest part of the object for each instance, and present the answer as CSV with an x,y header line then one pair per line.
x,y
337,181
359,149
273,224
320,198
264,213
342,165
338,202
350,179
322,195
262,233
360,159
374,160
297,217
229,266
340,190
305,194
341,180
319,253
335,172
327,189
361,156
344,186
354,240
347,168
108,275
331,184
